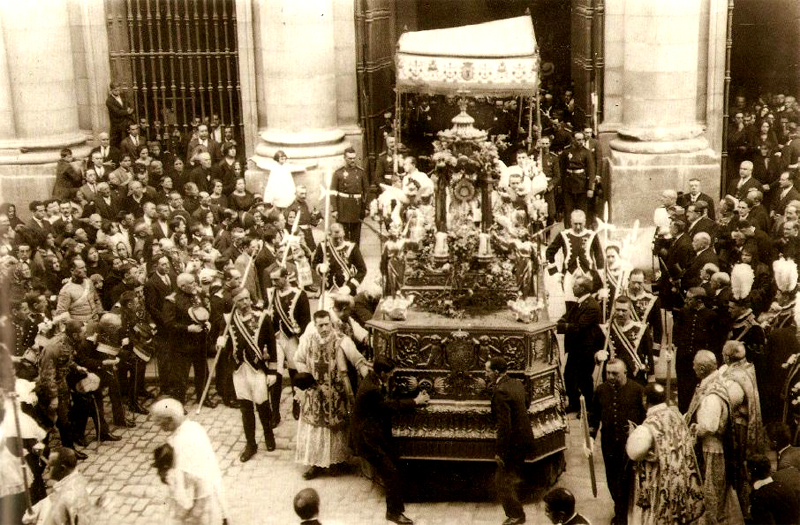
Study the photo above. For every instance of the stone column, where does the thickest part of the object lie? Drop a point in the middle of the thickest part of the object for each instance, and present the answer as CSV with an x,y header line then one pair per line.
x,y
295,46
660,141
346,82
41,82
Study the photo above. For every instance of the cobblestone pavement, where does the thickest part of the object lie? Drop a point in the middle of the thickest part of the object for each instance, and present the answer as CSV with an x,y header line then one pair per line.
x,y
261,491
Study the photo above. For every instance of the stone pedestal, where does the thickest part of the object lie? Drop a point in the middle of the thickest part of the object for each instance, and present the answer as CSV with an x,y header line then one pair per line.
x,y
38,101
296,51
660,140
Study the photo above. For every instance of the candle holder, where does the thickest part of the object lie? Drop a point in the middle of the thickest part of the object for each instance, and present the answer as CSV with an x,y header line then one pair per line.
x,y
484,247
440,250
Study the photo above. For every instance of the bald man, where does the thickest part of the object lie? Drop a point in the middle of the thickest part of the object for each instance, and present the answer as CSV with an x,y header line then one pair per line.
x,y
110,154
742,185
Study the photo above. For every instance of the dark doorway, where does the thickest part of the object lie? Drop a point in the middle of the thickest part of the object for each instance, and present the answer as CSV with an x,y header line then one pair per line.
x,y
765,57
177,59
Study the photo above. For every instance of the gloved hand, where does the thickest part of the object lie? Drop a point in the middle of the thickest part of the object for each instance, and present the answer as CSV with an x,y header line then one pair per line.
x,y
588,450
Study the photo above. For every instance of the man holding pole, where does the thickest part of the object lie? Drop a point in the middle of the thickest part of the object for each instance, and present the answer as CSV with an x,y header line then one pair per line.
x,y
345,268
616,403
258,363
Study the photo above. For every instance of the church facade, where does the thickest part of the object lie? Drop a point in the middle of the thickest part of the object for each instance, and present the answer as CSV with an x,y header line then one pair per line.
x,y
313,77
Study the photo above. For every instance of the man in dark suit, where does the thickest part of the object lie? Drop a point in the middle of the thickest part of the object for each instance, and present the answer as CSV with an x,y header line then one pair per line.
x,y
695,195
766,169
130,144
208,144
771,501
119,113
698,221
739,186
105,203
692,332
763,242
759,212
202,174
514,435
96,166
110,154
160,284
372,429
673,261
785,193
582,338
68,177
703,254
38,222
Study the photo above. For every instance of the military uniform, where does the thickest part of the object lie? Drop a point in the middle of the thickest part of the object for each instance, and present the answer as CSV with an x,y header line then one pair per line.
x,y
291,314
579,172
57,366
384,168
186,349
255,357
346,266
615,408
632,344
349,200
582,256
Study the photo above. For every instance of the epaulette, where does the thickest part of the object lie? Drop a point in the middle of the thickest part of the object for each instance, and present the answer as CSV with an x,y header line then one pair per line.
x,y
170,297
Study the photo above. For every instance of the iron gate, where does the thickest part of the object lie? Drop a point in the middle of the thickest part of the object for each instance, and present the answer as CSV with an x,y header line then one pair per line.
x,y
177,59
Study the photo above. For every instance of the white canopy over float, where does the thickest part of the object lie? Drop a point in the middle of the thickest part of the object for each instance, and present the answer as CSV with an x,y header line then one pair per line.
x,y
498,58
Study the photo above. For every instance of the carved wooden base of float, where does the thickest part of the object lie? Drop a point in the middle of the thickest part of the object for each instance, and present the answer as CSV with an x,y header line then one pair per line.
x,y
446,358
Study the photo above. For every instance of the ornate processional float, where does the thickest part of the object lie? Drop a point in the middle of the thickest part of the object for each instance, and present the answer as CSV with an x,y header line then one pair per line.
x,y
461,272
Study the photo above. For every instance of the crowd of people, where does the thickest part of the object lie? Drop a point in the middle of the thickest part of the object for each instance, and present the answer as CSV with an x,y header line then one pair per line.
x,y
152,250
722,306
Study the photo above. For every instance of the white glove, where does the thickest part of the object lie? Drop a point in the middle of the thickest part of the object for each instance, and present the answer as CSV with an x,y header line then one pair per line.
x,y
322,268
194,329
271,380
602,293
222,341
588,451
601,355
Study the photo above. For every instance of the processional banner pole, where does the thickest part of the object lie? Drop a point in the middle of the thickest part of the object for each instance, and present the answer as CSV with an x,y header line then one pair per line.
x,y
588,443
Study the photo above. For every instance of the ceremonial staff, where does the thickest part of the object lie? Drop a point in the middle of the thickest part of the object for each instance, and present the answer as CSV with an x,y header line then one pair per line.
x,y
605,266
668,387
588,443
326,194
225,330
